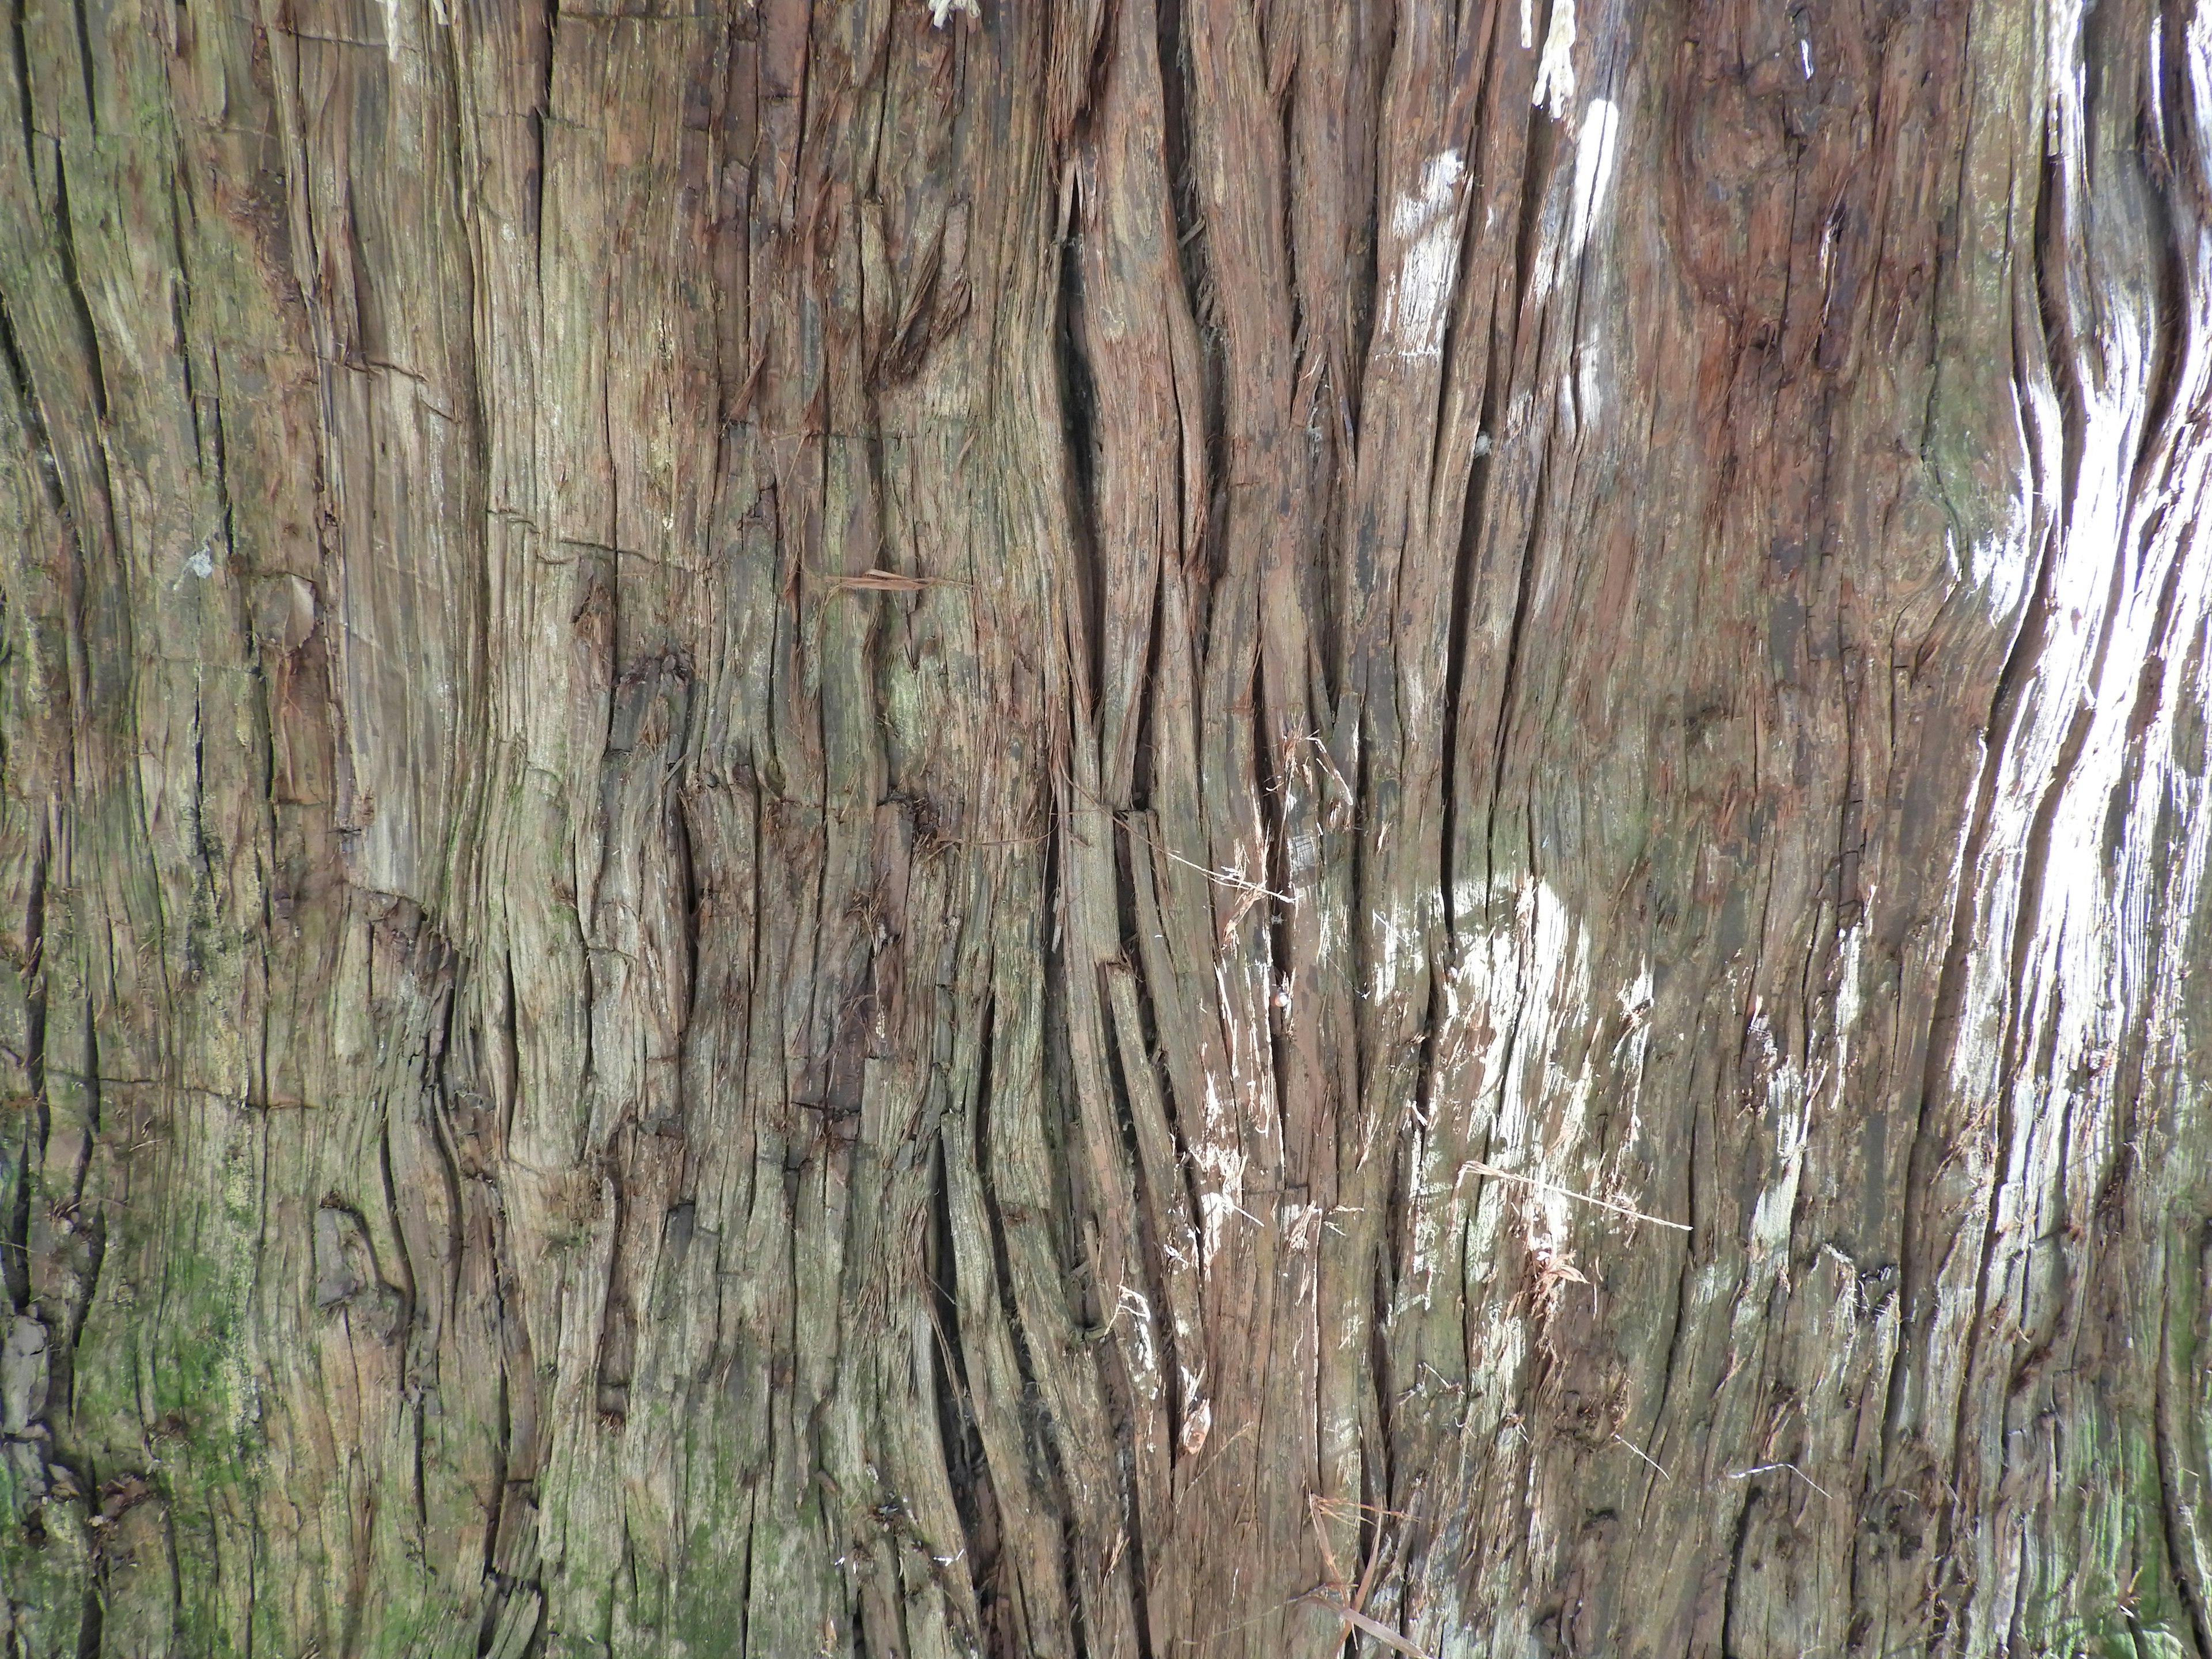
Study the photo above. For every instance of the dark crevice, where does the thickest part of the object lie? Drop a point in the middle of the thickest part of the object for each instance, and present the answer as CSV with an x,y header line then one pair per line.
x,y
745,1600
22,80
2166,259
1351,727
1195,263
1175,126
1463,260
1286,228
94,1229
2051,224
65,249
1951,981
16,1252
1474,508
2028,905
2034,867
617,1322
1047,1467
449,1161
1683,1287
1144,755
2173,1512
1364,254
1536,164
175,1562
966,1468
202,853
1002,1273
1270,763
1846,910
684,857
1078,405
391,1211
501,1452
1327,507
2049,242
26,397
1067,1200
253,1577
1149,1211
94,1100
50,481
540,114
1134,927
1729,1634
92,1624
1174,1207
1383,1450
84,69
1433,1016
1507,684
1151,1254
1060,1108
66,1319
180,285
1119,1385
511,1043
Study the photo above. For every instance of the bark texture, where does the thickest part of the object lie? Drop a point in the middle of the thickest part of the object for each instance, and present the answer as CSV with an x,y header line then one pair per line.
x,y
1105,828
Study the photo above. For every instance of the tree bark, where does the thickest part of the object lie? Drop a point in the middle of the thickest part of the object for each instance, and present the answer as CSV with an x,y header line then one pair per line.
x,y
1105,828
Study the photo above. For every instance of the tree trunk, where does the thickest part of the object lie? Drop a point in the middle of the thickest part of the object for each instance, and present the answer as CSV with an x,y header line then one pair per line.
x,y
1105,828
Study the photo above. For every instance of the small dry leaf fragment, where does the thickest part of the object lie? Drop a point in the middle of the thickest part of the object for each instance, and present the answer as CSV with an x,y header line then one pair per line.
x,y
887,582
1197,1423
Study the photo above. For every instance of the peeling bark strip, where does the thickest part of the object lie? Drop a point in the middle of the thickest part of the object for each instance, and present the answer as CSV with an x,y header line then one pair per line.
x,y
941,827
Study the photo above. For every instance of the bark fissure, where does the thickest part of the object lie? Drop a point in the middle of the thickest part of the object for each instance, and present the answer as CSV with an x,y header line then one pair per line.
x,y
2178,1522
22,54
65,252
1950,986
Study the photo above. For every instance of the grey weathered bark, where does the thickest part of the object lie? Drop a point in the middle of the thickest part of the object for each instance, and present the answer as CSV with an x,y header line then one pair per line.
x,y
1157,827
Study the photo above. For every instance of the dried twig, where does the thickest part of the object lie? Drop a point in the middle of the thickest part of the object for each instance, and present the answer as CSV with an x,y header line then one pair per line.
x,y
1373,1627
1769,1468
1227,878
1328,1555
1645,1455
1332,1593
1496,1174
1253,891
891,581
1345,1509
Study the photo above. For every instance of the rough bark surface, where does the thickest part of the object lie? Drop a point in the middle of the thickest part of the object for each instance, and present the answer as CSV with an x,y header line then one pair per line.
x,y
1105,828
